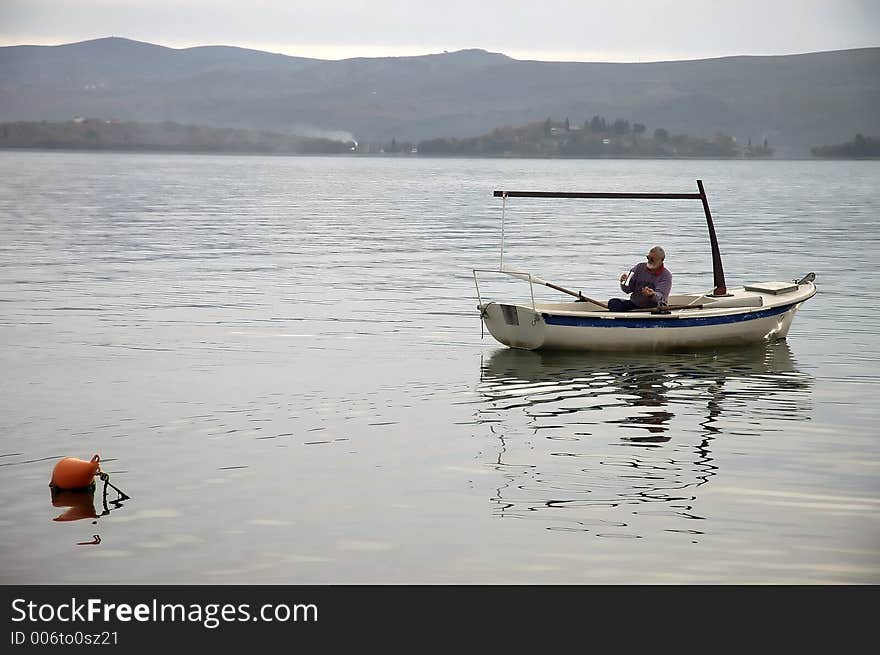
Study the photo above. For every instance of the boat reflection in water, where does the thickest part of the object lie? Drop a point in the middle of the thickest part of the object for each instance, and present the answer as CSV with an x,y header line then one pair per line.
x,y
588,433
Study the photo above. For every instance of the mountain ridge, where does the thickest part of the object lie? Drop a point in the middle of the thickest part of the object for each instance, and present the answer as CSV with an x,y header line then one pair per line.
x,y
795,101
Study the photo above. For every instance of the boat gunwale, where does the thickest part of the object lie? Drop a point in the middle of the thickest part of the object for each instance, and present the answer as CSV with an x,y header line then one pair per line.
x,y
674,314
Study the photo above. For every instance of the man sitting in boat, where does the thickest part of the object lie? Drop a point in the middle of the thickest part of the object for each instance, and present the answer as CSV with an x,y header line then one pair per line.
x,y
648,284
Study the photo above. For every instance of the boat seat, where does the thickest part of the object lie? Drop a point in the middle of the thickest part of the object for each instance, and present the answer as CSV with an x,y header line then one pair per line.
x,y
775,288
690,299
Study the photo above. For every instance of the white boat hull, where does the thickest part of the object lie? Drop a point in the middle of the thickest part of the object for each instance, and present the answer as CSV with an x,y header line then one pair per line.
x,y
583,326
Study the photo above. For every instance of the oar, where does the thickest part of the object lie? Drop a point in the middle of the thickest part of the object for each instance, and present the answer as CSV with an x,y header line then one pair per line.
x,y
577,294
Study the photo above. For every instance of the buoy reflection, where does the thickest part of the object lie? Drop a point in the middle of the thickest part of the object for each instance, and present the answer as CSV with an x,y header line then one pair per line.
x,y
80,504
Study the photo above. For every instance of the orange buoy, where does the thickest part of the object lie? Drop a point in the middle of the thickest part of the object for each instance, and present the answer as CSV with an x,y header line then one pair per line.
x,y
72,473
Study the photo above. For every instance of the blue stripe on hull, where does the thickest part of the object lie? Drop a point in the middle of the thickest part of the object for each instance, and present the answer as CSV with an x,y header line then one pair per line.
x,y
697,321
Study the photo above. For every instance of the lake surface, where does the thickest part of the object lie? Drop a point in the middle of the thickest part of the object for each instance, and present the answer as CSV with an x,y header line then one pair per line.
x,y
280,361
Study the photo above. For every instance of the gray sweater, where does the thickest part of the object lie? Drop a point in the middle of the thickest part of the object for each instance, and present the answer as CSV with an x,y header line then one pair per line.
x,y
661,284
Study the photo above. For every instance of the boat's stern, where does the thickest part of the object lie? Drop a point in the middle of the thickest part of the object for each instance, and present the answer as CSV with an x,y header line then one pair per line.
x,y
516,326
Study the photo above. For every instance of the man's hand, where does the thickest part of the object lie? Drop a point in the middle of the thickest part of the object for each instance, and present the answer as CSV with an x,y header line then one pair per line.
x,y
623,277
648,292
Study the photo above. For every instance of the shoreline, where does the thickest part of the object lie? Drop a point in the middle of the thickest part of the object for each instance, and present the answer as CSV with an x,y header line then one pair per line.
x,y
208,151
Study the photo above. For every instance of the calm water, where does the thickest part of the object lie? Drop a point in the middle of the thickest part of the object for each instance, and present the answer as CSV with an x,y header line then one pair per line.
x,y
280,361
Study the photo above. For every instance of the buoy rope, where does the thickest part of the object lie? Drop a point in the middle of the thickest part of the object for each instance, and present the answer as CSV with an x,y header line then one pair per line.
x,y
105,478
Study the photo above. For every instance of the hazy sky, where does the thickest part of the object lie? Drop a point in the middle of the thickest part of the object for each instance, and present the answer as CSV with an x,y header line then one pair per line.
x,y
582,30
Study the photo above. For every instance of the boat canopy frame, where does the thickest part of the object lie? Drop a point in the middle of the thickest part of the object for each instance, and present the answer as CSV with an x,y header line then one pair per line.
x,y
717,267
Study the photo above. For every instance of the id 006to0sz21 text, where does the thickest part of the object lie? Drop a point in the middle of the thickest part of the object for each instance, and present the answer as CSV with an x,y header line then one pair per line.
x,y
54,638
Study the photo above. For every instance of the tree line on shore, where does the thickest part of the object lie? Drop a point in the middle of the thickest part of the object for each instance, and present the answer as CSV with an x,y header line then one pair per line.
x,y
596,137
99,134
861,147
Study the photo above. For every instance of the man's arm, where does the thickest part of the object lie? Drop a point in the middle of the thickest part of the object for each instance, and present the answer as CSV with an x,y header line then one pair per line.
x,y
663,289
623,286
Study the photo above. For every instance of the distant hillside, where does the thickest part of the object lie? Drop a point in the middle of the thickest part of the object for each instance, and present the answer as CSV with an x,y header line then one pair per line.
x,y
795,102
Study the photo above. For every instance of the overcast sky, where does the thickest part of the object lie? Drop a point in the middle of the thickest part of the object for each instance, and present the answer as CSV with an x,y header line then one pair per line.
x,y
582,30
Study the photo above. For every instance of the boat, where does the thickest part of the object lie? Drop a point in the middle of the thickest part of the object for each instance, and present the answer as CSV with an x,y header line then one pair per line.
x,y
758,312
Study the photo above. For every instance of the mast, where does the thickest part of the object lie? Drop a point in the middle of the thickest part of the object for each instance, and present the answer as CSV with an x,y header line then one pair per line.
x,y
717,268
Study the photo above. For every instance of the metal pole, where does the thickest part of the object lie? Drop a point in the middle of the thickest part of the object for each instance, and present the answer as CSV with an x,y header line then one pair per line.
x,y
503,209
